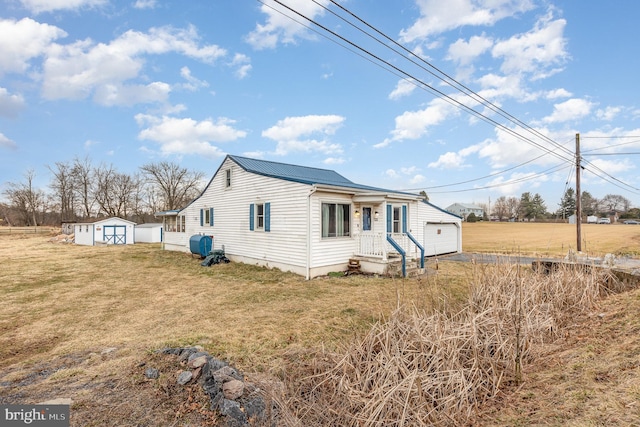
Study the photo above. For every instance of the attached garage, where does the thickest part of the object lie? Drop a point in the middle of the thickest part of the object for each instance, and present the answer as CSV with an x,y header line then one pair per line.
x,y
441,230
441,238
148,233
110,231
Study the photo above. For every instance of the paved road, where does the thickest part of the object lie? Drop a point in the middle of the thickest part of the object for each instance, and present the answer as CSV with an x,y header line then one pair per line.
x,y
491,258
625,263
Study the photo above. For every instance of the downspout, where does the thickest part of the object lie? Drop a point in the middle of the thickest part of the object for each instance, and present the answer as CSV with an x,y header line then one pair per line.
x,y
308,274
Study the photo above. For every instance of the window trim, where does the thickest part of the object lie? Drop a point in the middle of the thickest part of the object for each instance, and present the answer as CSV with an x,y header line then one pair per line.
x,y
325,215
255,217
227,178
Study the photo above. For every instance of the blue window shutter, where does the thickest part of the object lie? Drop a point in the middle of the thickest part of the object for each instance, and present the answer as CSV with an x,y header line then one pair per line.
x,y
211,217
267,217
389,218
201,217
404,219
251,219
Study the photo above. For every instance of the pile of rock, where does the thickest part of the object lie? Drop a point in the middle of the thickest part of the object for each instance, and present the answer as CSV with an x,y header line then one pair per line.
x,y
239,402
63,238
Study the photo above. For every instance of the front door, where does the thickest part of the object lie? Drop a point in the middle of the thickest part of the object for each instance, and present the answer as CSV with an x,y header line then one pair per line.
x,y
366,219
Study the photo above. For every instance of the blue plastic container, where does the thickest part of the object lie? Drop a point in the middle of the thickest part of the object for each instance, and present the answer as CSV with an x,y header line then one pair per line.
x,y
200,245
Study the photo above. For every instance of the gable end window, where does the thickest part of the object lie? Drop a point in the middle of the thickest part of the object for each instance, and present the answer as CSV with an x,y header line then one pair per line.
x,y
336,220
227,178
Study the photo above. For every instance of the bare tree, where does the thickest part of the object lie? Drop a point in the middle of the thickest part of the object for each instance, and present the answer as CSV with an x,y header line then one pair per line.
x,y
84,185
514,206
177,185
615,202
25,199
114,192
63,186
501,208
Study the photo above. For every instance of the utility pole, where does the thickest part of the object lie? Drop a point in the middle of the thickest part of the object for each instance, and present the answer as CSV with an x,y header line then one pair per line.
x,y
578,197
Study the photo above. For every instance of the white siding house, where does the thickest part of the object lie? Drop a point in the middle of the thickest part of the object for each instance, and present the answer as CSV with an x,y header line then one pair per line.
x,y
110,231
309,221
465,209
148,233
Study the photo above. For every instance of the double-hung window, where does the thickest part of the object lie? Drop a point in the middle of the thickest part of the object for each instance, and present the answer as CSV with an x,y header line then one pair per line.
x,y
397,225
260,216
336,220
227,178
206,217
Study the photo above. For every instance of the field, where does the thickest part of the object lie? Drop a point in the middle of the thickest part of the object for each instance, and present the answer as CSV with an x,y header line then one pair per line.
x,y
79,322
550,239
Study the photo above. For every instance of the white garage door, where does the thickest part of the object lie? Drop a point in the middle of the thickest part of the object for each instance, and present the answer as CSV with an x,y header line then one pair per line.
x,y
440,238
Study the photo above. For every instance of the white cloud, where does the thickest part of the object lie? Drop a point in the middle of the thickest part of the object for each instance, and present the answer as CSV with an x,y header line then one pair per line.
x,y
188,136
38,6
21,41
333,161
558,93
145,4
294,134
417,179
83,68
437,16
608,113
415,124
612,167
517,182
7,143
242,63
464,52
448,160
10,104
391,173
536,51
495,86
403,88
118,94
192,83
571,109
408,170
279,27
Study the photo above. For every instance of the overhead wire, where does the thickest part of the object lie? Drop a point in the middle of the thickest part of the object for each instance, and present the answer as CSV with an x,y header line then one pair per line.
x,y
491,175
440,73
528,177
423,84
377,60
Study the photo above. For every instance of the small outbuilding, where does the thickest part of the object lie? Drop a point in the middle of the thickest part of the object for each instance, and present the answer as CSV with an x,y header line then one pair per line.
x,y
148,233
109,231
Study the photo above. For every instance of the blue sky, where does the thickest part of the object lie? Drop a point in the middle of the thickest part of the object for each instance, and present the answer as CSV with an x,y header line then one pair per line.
x,y
129,82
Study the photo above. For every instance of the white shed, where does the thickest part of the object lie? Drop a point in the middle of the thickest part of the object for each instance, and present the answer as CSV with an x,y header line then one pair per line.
x,y
148,233
110,231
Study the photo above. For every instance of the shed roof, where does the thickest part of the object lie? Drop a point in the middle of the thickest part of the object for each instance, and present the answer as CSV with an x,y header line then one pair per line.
x,y
149,225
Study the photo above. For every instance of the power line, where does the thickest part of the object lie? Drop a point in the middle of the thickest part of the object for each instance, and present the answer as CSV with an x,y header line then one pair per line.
x,y
553,169
439,73
438,93
491,175
425,85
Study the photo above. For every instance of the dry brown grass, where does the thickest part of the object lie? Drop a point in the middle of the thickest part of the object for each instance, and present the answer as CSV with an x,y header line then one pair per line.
x,y
62,305
80,321
421,369
549,239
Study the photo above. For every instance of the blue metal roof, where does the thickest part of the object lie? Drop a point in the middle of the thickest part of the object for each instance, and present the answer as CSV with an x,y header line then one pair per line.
x,y
302,174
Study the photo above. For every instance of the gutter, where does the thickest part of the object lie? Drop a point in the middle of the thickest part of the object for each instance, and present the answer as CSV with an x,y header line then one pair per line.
x,y
308,273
